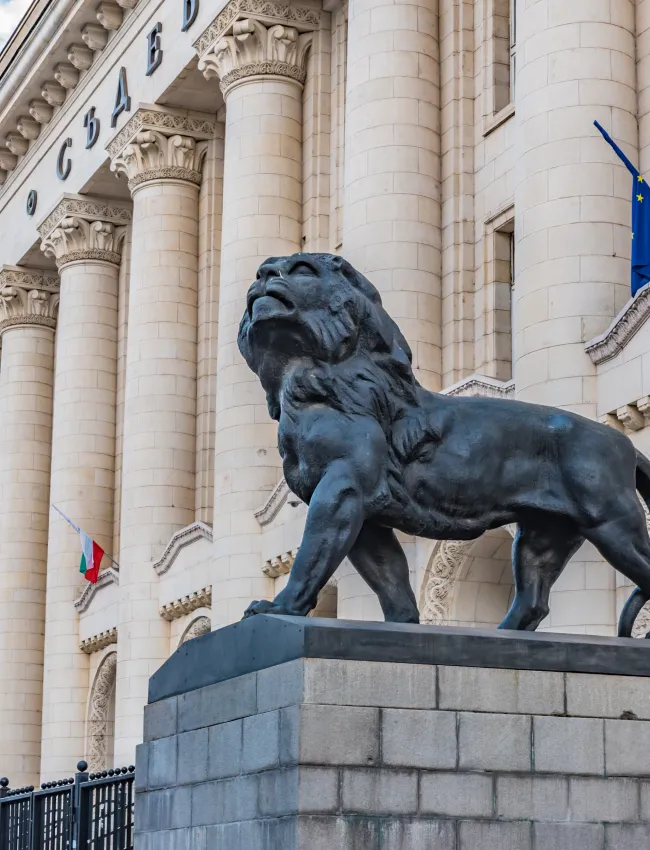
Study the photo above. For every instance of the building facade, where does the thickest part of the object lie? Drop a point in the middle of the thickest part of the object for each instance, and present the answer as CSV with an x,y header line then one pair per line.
x,y
152,154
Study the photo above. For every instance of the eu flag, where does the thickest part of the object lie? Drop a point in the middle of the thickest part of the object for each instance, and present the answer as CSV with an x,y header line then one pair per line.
x,y
640,220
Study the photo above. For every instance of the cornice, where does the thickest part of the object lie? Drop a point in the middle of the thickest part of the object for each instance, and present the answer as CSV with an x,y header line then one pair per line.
x,y
628,323
186,604
480,386
90,209
274,504
106,577
264,10
183,538
98,641
167,122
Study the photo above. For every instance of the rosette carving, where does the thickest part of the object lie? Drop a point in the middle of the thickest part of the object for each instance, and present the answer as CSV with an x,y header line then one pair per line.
x,y
253,49
76,238
152,155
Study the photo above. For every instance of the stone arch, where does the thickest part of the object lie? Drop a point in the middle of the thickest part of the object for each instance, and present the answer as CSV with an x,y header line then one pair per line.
x,y
328,600
459,568
198,627
101,715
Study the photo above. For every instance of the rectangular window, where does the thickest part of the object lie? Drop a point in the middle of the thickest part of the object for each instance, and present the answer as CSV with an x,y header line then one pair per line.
x,y
499,48
513,46
498,298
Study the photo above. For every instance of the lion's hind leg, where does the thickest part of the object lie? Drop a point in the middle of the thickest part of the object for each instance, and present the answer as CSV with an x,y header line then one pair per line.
x,y
624,543
540,552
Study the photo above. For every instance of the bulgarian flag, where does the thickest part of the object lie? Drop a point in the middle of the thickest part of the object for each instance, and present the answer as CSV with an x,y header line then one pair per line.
x,y
91,557
91,552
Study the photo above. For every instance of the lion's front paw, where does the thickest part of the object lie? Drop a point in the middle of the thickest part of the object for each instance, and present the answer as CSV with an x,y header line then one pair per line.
x,y
278,606
263,606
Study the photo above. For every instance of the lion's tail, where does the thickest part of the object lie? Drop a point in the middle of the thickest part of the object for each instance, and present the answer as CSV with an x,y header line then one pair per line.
x,y
637,599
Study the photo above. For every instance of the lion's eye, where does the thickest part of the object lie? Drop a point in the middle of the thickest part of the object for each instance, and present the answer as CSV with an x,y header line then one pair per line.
x,y
303,269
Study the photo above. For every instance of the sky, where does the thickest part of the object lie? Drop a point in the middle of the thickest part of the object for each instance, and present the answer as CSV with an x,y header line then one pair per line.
x,y
11,11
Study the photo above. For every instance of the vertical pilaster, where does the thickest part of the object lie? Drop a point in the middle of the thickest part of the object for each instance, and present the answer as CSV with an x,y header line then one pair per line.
x,y
87,250
163,166
28,306
261,68
392,217
575,63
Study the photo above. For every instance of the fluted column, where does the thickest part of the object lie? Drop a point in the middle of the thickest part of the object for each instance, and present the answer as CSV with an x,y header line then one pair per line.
x,y
161,154
392,216
575,63
85,237
28,307
260,65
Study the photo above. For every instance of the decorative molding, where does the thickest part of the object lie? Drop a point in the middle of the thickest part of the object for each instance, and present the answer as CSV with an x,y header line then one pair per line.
x,y
98,713
480,386
28,127
185,537
200,626
441,576
274,504
40,111
186,604
280,566
642,623
53,93
106,577
153,156
80,56
264,10
76,239
17,143
166,173
252,49
628,322
94,36
24,301
90,209
29,278
98,641
170,123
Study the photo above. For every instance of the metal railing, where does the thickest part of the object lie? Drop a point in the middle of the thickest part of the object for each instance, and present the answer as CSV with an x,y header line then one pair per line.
x,y
90,812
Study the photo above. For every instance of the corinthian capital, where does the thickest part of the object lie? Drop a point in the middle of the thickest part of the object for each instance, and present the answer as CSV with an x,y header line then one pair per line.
x,y
82,228
160,144
251,38
27,297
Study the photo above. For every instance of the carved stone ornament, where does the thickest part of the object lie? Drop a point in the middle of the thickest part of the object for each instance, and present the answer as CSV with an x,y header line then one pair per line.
x,y
80,57
440,578
480,386
110,15
106,577
28,127
98,713
40,111
66,75
88,208
77,239
186,604
628,322
254,50
280,566
180,540
168,123
94,36
27,298
53,93
200,626
98,641
266,11
17,144
8,160
153,156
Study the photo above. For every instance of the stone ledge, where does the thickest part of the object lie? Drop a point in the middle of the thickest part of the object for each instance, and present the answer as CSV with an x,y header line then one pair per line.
x,y
265,641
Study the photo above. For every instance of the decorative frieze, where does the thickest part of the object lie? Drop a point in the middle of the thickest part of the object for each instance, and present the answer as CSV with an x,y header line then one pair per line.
x,y
186,604
253,50
27,298
480,386
84,229
156,145
280,566
98,641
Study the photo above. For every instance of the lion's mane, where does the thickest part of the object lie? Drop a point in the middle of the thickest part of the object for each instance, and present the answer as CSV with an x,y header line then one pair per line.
x,y
358,362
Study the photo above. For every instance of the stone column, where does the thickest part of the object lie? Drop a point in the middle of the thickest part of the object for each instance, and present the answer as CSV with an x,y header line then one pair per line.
x,y
575,63
161,153
260,64
85,238
391,222
28,306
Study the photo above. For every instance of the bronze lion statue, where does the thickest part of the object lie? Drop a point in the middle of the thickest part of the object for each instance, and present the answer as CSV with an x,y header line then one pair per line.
x,y
369,450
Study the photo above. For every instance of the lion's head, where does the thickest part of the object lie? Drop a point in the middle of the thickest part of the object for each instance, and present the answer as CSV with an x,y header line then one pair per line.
x,y
315,307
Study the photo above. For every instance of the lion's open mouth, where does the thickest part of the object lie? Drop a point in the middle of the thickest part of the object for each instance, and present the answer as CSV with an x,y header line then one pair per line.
x,y
268,300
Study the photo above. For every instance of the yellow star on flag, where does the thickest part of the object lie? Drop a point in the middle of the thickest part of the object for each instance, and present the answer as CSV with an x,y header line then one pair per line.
x,y
639,198
640,178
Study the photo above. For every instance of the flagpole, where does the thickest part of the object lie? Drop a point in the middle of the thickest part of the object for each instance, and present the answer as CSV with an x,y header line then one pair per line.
x,y
78,530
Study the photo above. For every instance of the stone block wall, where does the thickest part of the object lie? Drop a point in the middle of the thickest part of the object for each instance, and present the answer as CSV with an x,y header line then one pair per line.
x,y
353,755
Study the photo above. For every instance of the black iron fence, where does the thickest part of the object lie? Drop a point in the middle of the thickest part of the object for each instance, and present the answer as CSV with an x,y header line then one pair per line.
x,y
88,812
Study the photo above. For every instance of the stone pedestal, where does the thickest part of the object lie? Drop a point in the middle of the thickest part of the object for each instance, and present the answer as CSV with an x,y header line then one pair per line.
x,y
283,734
